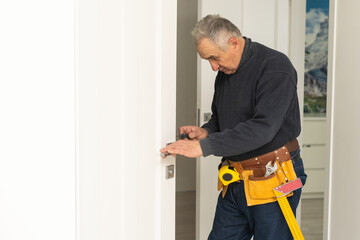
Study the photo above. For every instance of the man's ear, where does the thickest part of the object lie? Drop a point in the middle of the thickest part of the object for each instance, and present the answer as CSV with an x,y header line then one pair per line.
x,y
234,43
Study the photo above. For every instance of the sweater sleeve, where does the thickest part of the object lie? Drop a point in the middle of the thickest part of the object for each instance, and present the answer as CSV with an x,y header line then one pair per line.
x,y
274,95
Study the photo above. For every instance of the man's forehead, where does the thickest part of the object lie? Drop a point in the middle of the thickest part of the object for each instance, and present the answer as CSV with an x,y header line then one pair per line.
x,y
203,43
206,49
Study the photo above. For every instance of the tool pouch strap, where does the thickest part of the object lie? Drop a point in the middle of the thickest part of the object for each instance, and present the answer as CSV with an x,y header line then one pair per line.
x,y
259,189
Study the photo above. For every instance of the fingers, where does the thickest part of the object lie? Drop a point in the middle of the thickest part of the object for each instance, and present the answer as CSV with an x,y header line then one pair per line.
x,y
187,129
164,153
194,132
163,150
178,147
171,149
187,148
192,135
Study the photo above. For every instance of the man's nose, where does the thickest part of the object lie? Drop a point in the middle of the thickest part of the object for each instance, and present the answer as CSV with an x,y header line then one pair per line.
x,y
214,65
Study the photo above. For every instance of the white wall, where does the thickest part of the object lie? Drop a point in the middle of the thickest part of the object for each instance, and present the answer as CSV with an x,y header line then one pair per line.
x,y
343,101
37,123
126,81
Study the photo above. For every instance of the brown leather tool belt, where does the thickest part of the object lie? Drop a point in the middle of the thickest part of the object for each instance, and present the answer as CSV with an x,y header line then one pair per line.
x,y
258,163
258,188
293,145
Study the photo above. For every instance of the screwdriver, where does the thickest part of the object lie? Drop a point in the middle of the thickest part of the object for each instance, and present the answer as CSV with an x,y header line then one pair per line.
x,y
185,135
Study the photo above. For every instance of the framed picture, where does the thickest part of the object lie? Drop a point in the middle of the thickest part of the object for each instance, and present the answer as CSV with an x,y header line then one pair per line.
x,y
316,58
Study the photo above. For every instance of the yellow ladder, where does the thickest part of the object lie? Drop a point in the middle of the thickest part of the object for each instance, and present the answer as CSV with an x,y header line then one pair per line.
x,y
280,193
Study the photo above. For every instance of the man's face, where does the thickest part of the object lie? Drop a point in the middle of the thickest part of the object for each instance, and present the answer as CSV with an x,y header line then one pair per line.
x,y
226,62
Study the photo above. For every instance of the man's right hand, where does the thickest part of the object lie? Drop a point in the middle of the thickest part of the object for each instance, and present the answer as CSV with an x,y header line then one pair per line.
x,y
194,132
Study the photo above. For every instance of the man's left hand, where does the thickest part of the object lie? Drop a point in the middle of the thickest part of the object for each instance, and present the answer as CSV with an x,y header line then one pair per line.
x,y
187,148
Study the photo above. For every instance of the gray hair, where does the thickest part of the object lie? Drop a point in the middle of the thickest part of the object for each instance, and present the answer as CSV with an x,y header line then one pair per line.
x,y
219,30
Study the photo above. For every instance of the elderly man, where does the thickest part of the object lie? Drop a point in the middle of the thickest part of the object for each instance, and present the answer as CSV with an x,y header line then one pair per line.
x,y
255,113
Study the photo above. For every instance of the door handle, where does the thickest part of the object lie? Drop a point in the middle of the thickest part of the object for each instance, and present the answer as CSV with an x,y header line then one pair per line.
x,y
166,154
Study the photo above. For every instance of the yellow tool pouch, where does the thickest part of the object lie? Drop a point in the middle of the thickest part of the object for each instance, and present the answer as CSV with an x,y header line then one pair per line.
x,y
259,189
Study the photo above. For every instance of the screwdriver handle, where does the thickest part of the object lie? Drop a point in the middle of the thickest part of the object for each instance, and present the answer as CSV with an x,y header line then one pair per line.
x,y
185,135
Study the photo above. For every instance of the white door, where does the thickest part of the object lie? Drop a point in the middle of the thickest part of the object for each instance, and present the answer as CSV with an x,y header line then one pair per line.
x,y
126,80
264,21
37,132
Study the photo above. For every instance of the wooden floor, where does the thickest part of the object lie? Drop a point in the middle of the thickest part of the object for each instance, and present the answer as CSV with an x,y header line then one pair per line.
x,y
311,217
312,211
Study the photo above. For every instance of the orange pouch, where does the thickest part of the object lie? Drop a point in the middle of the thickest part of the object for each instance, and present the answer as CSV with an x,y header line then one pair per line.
x,y
259,190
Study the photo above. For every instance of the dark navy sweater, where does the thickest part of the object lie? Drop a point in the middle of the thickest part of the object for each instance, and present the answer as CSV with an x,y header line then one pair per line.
x,y
256,109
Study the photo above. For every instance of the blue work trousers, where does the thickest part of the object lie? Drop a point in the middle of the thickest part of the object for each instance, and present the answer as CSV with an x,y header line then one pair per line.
x,y
234,220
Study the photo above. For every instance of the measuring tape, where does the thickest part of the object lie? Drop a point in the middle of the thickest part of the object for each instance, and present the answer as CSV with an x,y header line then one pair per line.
x,y
228,174
280,193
